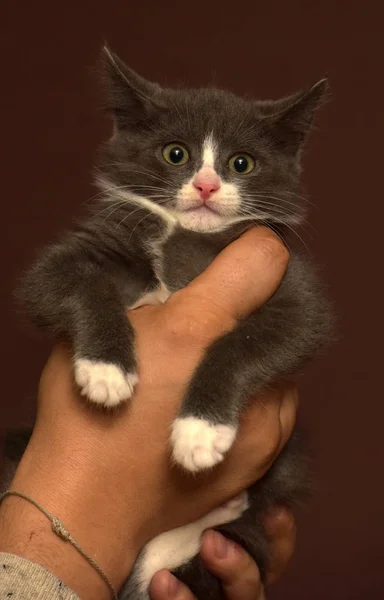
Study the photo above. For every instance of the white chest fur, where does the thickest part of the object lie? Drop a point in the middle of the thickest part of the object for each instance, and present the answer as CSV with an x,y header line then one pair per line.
x,y
161,293
157,296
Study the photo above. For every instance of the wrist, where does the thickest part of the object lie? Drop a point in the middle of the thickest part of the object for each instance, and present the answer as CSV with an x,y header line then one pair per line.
x,y
68,487
26,532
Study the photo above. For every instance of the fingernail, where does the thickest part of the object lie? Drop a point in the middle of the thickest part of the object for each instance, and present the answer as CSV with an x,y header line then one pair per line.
x,y
220,545
173,586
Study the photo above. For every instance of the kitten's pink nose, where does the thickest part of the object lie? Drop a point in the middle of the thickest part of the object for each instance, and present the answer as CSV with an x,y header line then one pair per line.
x,y
206,186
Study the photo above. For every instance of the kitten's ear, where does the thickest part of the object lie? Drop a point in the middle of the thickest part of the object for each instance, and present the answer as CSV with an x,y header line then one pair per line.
x,y
292,117
129,97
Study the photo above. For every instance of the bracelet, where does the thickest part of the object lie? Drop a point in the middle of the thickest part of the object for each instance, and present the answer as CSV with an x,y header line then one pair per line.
x,y
59,529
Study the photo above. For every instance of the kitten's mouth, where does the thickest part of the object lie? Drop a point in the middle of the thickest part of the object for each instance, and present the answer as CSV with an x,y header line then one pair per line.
x,y
202,217
202,209
208,207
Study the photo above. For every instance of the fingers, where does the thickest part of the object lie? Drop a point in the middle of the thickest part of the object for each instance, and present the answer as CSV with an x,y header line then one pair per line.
x,y
238,573
245,274
164,586
288,410
265,428
276,420
280,528
235,568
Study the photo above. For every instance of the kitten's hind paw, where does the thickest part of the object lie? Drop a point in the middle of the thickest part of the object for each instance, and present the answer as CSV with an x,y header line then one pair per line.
x,y
199,445
103,383
234,508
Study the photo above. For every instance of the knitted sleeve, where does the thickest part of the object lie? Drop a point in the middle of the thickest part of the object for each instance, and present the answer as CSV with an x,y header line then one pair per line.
x,y
21,579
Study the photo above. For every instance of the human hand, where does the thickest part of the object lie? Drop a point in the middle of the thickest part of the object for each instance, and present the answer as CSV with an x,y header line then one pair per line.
x,y
232,565
108,476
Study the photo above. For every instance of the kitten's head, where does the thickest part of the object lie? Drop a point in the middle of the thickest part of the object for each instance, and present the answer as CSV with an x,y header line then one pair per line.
x,y
205,157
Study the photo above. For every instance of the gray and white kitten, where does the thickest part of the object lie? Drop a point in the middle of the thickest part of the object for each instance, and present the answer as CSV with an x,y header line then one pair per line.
x,y
185,172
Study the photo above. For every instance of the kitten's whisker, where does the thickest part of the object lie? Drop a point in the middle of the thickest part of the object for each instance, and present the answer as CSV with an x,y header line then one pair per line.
x,y
127,169
255,216
93,197
137,224
300,198
152,174
268,193
131,188
146,187
272,211
109,191
269,220
303,198
269,197
260,202
101,166
268,205
113,206
305,231
130,214
298,236
110,214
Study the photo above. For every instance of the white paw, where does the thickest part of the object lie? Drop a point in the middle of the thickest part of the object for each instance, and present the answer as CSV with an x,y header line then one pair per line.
x,y
233,509
198,445
104,383
238,503
175,548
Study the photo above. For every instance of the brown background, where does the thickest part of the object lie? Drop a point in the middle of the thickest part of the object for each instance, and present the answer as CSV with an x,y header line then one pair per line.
x,y
49,131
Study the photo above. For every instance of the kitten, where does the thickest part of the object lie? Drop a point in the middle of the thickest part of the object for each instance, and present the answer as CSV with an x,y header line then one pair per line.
x,y
185,173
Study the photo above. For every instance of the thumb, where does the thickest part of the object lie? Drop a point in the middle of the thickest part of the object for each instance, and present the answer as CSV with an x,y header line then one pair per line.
x,y
244,275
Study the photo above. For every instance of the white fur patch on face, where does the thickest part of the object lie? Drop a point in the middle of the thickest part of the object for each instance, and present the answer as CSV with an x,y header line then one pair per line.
x,y
221,209
176,547
210,151
199,445
104,383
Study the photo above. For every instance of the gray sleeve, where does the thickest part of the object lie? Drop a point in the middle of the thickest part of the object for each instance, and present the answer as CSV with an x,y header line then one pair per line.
x,y
20,579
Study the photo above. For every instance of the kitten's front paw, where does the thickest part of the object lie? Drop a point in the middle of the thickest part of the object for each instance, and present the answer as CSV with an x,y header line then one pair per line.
x,y
104,383
198,445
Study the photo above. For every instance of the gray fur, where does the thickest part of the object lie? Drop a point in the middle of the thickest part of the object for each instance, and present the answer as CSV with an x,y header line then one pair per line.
x,y
80,287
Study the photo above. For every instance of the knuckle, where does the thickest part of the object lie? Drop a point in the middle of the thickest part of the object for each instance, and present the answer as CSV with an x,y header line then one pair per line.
x,y
273,249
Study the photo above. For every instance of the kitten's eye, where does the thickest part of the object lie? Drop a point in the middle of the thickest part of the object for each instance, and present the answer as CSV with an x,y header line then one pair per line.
x,y
175,154
241,164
